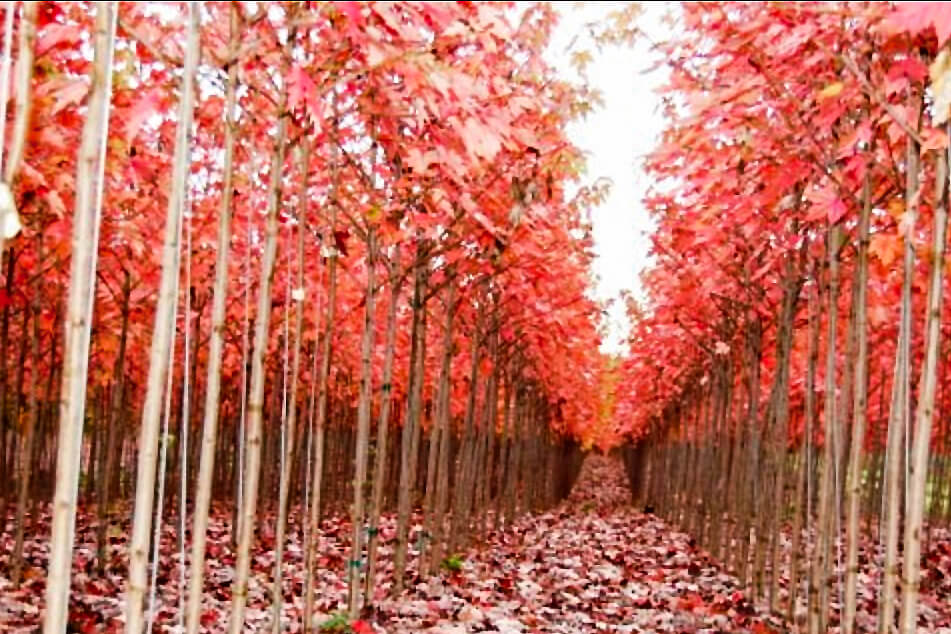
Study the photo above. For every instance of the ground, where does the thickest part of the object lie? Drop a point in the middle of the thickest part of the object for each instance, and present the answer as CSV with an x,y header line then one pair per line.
x,y
594,563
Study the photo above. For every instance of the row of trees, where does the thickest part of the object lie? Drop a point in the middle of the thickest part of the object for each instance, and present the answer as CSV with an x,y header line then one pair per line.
x,y
788,372
284,252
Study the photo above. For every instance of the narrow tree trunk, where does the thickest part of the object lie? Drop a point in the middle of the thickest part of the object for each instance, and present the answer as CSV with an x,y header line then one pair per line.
x,y
312,536
463,478
364,411
822,565
859,413
898,416
112,443
927,391
382,430
246,524
206,467
411,427
85,240
803,513
29,434
161,341
287,459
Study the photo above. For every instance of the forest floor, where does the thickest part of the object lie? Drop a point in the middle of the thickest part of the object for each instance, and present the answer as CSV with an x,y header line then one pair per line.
x,y
591,564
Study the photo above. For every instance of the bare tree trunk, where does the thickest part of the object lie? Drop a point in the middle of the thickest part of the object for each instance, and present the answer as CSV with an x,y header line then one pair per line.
x,y
463,480
821,571
89,181
287,459
29,434
411,427
898,416
781,439
161,341
859,412
804,507
445,437
927,391
248,519
364,411
312,537
382,430
112,443
209,432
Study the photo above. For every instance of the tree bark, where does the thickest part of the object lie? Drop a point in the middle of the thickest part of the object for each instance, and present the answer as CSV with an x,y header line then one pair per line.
x,y
859,412
79,319
924,415
248,519
161,341
209,433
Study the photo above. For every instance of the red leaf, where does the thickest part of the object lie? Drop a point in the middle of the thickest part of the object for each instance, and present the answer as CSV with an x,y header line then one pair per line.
x,y
836,210
362,627
351,10
139,113
915,17
302,92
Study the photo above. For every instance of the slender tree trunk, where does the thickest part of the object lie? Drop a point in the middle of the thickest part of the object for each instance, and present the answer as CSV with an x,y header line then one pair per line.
x,y
382,430
924,415
161,341
78,321
312,537
803,513
781,436
29,434
364,411
246,524
112,444
445,436
4,353
209,434
287,459
822,565
463,478
859,413
898,416
411,427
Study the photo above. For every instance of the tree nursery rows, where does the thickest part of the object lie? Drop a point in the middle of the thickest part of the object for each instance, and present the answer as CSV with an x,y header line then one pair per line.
x,y
297,330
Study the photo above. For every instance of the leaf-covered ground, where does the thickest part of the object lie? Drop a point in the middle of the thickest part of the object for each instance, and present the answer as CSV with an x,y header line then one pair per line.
x,y
591,564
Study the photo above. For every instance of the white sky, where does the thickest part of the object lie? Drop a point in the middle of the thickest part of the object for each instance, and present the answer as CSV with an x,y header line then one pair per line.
x,y
616,137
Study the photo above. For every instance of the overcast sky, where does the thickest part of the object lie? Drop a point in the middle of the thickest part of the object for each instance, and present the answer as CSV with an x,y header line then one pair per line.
x,y
616,137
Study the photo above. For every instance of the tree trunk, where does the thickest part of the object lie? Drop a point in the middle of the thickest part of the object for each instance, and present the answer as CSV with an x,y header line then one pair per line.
x,y
209,432
112,443
382,430
924,415
89,180
312,537
287,457
899,414
822,565
161,341
248,519
859,412
411,427
29,434
364,411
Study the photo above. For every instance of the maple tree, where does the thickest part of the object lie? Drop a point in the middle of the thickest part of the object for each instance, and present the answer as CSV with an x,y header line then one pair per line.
x,y
296,321
797,287
316,168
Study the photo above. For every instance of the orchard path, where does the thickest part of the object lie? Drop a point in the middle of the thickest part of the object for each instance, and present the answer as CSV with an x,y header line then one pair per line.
x,y
591,564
